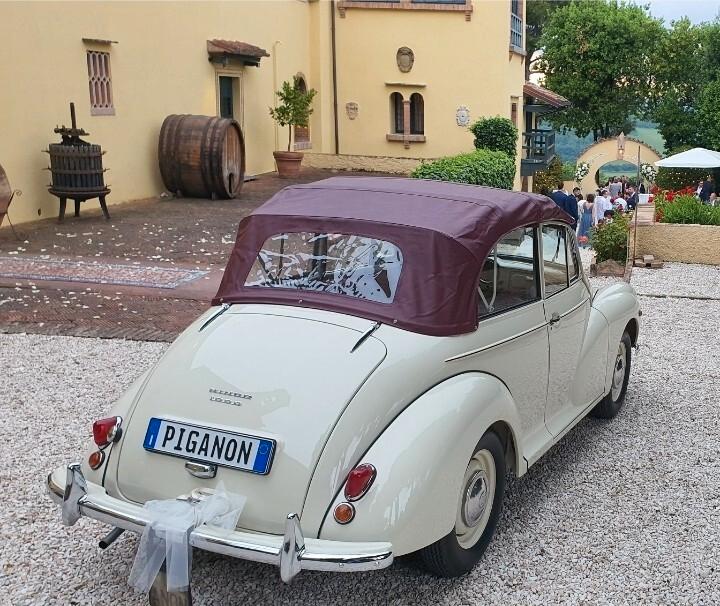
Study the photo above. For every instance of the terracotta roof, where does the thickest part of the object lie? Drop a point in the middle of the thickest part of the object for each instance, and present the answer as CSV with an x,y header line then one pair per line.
x,y
233,48
545,95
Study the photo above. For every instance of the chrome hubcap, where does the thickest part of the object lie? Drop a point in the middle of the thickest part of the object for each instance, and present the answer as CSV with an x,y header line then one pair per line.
x,y
476,499
618,372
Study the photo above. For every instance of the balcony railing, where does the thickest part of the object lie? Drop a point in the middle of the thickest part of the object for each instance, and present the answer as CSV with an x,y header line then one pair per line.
x,y
538,150
516,32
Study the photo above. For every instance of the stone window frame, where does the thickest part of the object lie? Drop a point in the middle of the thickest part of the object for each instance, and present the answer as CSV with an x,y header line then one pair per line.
x,y
413,114
461,6
99,72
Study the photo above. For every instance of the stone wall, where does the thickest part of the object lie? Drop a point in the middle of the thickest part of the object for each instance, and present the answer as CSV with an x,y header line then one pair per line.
x,y
679,242
383,164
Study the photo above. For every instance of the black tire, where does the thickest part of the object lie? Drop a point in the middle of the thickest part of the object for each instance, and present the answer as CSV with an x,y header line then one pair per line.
x,y
446,557
609,406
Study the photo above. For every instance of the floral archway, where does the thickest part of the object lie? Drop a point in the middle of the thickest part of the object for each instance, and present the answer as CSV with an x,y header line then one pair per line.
x,y
593,157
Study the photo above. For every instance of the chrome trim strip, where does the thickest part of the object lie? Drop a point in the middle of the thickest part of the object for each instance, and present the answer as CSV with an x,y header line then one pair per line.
x,y
578,306
365,336
223,308
495,344
292,552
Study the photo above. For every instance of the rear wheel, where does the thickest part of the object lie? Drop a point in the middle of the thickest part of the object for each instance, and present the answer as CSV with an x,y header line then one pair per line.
x,y
479,505
610,405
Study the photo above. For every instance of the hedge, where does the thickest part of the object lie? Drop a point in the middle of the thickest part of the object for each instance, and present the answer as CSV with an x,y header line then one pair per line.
x,y
481,167
497,134
686,209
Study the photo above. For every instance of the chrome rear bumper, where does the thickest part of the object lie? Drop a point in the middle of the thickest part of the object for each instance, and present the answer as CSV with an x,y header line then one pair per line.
x,y
291,552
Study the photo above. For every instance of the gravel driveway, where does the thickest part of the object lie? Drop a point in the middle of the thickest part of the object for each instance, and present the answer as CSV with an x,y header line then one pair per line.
x,y
620,512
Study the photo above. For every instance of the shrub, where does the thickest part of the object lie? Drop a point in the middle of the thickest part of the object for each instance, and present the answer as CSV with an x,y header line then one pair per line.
x,y
685,208
497,134
481,167
610,239
548,179
568,171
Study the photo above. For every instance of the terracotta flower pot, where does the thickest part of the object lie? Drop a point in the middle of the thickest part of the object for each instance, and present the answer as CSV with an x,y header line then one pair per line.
x,y
288,163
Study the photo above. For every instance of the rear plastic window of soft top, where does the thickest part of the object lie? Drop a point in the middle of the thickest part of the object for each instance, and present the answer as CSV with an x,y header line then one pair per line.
x,y
355,266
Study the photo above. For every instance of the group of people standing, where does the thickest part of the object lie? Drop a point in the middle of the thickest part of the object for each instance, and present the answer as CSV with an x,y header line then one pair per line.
x,y
619,195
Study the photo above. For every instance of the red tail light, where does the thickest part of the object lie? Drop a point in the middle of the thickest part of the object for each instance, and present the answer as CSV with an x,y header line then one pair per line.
x,y
106,431
359,481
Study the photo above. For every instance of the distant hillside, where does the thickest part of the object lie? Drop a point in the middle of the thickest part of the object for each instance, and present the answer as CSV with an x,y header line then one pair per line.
x,y
569,146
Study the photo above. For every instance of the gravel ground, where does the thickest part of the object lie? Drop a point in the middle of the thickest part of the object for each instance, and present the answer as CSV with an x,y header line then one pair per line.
x,y
678,279
620,512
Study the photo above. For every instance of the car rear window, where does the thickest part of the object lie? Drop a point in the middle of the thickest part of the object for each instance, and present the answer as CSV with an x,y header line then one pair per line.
x,y
345,264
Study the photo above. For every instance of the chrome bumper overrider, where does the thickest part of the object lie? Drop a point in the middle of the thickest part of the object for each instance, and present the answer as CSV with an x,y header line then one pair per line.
x,y
291,552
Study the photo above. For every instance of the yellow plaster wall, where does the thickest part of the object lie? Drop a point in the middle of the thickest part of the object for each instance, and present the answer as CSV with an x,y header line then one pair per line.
x,y
159,66
679,242
460,62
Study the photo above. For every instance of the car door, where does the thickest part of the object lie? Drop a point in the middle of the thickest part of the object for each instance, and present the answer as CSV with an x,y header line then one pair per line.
x,y
567,307
512,335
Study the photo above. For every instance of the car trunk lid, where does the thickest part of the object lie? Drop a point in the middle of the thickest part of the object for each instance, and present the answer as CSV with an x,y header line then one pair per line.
x,y
276,377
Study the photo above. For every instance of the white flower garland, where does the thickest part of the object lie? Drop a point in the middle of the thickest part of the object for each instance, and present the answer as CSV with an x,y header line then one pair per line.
x,y
648,172
582,171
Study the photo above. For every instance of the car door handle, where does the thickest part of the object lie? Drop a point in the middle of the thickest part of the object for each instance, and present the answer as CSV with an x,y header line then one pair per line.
x,y
554,318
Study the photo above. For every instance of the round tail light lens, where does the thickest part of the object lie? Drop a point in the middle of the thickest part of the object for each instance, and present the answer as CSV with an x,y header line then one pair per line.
x,y
359,481
96,459
344,513
106,431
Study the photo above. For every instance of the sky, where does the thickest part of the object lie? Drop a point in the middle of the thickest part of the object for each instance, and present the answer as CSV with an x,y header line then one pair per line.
x,y
672,10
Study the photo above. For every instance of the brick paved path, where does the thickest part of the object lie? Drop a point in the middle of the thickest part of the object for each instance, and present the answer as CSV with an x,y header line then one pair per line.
x,y
187,233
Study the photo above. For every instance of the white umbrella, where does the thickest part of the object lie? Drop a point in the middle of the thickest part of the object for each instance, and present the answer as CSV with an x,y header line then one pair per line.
x,y
698,157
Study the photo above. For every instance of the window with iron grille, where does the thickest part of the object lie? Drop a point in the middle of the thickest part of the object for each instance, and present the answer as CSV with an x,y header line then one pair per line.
x,y
516,24
100,83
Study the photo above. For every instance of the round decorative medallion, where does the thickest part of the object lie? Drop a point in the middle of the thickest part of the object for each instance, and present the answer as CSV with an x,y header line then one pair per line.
x,y
462,116
351,109
405,59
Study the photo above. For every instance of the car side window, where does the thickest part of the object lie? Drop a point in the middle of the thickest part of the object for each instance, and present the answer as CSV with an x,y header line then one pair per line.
x,y
574,264
555,267
509,277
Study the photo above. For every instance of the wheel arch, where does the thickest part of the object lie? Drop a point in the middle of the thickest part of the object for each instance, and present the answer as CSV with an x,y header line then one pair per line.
x,y
633,330
421,459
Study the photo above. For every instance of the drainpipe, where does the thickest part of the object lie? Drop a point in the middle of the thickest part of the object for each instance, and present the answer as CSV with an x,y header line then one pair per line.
x,y
334,76
275,87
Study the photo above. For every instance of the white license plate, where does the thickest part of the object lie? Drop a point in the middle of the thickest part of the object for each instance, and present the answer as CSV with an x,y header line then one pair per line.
x,y
207,445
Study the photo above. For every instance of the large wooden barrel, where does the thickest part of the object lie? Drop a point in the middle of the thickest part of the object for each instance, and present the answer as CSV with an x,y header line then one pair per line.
x,y
202,156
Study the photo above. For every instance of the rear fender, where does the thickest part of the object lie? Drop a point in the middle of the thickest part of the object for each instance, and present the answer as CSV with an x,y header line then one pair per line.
x,y
620,306
421,459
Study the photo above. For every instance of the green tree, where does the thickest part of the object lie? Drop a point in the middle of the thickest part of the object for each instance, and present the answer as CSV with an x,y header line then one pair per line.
x,y
679,73
294,107
708,113
684,100
537,13
599,56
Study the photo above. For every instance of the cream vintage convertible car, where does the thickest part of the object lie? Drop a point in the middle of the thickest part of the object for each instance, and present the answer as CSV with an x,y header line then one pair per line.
x,y
379,354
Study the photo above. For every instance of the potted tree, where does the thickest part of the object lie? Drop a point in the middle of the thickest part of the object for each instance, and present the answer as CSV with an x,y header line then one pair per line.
x,y
293,110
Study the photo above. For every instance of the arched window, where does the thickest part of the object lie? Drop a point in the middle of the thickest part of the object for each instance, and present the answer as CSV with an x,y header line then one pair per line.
x,y
301,133
417,114
397,122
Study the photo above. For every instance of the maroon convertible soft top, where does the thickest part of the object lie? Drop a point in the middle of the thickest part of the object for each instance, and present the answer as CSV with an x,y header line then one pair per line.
x,y
444,230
